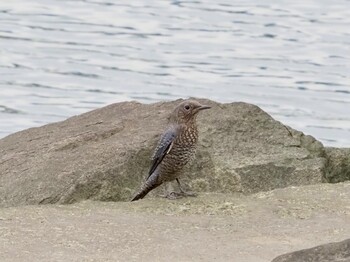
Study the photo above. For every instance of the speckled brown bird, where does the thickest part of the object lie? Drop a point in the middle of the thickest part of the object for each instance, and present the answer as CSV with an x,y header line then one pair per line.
x,y
176,148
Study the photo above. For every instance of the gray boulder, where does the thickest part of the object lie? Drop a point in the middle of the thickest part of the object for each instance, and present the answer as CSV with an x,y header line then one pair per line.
x,y
105,154
332,252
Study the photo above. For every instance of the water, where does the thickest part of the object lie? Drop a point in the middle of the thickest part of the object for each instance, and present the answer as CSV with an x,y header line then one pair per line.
x,y
60,58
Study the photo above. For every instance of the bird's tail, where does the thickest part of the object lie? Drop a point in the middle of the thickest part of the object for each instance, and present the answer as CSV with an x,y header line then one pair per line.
x,y
148,186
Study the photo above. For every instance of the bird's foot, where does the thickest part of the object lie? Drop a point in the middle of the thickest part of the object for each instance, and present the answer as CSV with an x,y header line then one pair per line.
x,y
177,195
183,192
173,195
187,194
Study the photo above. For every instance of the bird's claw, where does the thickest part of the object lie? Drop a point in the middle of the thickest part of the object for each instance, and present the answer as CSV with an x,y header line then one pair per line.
x,y
187,194
177,195
172,195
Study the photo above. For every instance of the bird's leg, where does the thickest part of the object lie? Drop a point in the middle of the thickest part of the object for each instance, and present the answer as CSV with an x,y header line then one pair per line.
x,y
183,192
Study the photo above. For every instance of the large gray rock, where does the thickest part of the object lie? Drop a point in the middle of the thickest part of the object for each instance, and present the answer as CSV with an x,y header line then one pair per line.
x,y
332,252
104,154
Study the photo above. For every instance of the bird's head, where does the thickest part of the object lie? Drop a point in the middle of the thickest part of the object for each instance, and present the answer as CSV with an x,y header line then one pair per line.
x,y
187,111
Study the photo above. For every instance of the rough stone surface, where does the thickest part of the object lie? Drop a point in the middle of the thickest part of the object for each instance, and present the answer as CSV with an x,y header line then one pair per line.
x,y
211,227
105,154
338,166
332,252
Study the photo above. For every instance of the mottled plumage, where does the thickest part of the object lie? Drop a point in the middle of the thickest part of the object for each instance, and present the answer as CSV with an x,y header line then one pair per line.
x,y
176,147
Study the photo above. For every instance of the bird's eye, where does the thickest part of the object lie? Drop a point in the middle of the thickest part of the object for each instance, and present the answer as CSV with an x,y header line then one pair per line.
x,y
187,107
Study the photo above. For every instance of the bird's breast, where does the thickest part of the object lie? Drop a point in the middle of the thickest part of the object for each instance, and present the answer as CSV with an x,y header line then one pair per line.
x,y
182,152
189,136
185,144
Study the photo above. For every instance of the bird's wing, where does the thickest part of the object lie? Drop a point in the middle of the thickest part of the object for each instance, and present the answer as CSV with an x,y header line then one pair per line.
x,y
164,146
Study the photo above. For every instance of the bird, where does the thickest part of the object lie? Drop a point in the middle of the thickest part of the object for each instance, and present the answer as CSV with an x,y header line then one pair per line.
x,y
175,149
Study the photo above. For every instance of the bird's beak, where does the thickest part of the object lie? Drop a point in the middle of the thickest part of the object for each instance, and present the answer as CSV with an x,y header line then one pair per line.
x,y
204,107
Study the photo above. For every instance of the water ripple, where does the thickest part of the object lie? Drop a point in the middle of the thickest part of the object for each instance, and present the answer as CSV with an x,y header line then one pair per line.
x,y
62,58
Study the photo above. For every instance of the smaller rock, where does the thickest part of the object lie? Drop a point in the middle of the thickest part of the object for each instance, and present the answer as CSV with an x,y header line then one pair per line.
x,y
332,252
